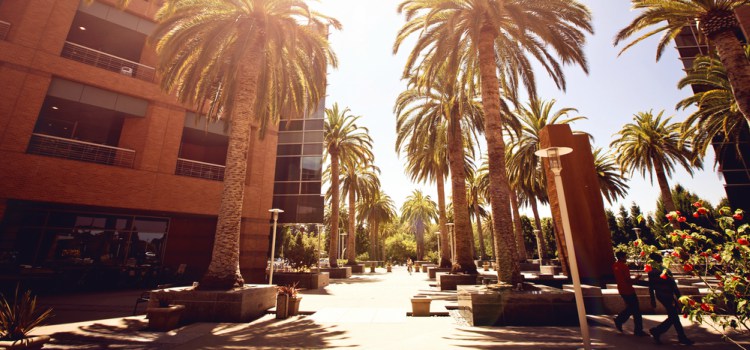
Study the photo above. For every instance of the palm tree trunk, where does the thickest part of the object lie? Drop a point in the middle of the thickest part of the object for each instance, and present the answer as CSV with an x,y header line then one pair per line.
x,y
541,245
445,251
419,237
333,247
376,240
478,218
492,238
517,228
732,55
223,271
462,227
507,260
666,193
351,252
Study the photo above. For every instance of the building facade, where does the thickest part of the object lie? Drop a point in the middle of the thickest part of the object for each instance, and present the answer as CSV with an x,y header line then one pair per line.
x,y
101,169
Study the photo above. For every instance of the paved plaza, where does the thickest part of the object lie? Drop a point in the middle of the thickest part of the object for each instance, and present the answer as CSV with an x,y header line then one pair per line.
x,y
367,311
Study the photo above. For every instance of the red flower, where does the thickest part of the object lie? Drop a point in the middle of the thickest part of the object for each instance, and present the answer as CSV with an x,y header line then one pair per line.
x,y
702,211
681,219
684,315
663,275
698,204
707,308
737,216
684,236
717,257
647,268
687,267
696,215
643,253
691,302
703,254
635,243
734,278
676,254
743,241
678,212
674,233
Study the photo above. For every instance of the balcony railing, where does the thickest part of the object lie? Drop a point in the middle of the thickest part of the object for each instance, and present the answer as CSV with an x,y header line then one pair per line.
x,y
202,170
4,29
78,150
109,62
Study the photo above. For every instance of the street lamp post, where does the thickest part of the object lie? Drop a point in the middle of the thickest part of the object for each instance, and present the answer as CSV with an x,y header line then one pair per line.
x,y
637,232
437,234
273,241
343,239
452,238
553,154
320,230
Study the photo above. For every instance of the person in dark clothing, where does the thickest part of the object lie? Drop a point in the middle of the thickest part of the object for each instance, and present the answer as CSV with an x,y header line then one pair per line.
x,y
627,292
663,287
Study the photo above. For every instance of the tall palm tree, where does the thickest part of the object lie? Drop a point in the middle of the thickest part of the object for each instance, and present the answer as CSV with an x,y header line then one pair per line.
x,y
345,142
653,144
424,135
717,119
716,21
525,167
418,211
473,184
226,57
485,35
377,209
359,180
611,182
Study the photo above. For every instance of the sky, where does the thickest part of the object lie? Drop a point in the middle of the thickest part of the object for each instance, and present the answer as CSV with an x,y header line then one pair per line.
x,y
368,80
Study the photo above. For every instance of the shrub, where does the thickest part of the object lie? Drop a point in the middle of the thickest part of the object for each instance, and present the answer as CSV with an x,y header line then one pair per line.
x,y
20,317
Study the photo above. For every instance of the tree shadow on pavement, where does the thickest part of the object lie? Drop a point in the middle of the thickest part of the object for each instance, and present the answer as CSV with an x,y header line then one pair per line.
x,y
129,334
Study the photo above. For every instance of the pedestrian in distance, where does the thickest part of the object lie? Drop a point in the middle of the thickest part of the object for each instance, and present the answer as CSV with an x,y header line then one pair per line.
x,y
627,292
409,264
663,287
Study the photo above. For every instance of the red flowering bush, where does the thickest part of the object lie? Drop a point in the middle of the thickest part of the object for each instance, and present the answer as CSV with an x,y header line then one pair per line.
x,y
720,258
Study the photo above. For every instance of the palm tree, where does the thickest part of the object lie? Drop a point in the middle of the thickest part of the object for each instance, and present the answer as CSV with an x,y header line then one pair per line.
x,y
473,184
225,58
611,182
533,117
423,129
344,142
418,211
716,21
360,180
652,144
377,209
485,36
717,119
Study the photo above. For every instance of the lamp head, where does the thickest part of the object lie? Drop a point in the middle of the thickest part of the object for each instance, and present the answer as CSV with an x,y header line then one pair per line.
x,y
275,212
553,154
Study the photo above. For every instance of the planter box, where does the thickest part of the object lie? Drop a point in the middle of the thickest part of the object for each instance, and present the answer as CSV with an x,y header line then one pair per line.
x,y
450,282
432,271
550,269
304,280
282,306
294,306
357,268
30,343
338,272
543,306
164,319
239,305
420,306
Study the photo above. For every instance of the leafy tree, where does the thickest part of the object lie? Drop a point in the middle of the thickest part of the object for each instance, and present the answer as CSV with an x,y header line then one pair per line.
x,y
684,203
245,61
418,211
653,144
400,246
360,179
616,232
300,248
378,210
716,21
344,142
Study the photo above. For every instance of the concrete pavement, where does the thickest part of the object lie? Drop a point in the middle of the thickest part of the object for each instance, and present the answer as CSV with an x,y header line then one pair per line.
x,y
367,311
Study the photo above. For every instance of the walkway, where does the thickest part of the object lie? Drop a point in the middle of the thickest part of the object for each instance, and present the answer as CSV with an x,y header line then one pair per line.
x,y
367,311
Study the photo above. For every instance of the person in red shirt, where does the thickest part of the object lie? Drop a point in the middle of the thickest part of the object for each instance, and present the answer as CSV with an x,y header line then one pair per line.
x,y
627,292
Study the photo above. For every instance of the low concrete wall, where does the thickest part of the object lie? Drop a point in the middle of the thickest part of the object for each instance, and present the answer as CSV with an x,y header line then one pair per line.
x,y
450,282
240,305
545,306
358,268
338,272
305,280
434,270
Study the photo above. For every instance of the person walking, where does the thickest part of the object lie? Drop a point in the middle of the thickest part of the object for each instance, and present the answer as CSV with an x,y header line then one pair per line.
x,y
627,292
663,287
409,264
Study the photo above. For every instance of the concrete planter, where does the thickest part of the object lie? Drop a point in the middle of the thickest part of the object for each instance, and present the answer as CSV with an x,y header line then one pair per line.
x,y
420,306
282,306
486,266
239,305
304,280
294,305
164,319
338,272
432,271
541,306
30,343
357,268
450,282
388,268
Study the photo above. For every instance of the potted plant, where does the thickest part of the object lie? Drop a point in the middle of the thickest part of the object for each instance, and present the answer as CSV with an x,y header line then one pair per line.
x,y
486,265
287,301
388,267
165,317
20,318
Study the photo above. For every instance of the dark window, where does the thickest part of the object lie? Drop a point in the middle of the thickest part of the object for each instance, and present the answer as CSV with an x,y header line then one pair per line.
x,y
313,149
314,124
288,169
79,121
286,188
310,188
311,168
291,125
289,150
313,136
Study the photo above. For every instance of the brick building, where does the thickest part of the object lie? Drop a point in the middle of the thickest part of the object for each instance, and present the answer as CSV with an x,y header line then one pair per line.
x,y
101,169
